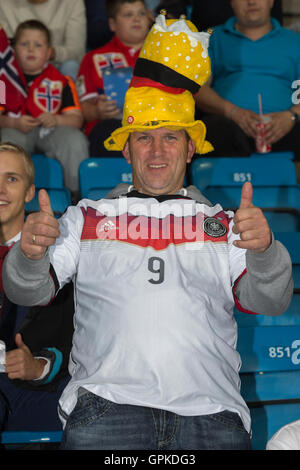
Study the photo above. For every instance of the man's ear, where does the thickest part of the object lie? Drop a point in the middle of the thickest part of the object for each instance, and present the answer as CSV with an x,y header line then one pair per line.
x,y
30,193
126,152
191,150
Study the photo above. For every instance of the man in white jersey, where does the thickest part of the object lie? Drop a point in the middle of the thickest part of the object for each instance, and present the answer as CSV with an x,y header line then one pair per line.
x,y
157,271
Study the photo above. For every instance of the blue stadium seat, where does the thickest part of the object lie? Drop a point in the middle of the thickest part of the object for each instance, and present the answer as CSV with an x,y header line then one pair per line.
x,y
48,172
269,418
49,175
270,377
60,199
97,176
22,437
286,154
270,352
234,171
274,180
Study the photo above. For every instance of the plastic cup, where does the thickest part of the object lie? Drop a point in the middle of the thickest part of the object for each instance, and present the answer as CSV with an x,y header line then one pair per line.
x,y
261,145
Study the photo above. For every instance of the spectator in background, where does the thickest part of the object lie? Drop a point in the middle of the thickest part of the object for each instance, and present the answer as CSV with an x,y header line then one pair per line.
x,y
97,28
209,13
38,340
251,54
50,118
152,4
66,21
174,8
129,21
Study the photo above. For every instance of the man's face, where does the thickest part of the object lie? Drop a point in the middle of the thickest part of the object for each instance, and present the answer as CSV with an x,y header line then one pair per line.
x,y
159,159
251,13
131,23
14,192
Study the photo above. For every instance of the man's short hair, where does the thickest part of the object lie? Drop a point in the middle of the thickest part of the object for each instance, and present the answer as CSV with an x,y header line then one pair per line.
x,y
29,166
32,24
113,6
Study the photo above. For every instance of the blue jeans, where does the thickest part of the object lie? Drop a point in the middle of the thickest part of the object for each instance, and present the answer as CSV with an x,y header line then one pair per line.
x,y
99,424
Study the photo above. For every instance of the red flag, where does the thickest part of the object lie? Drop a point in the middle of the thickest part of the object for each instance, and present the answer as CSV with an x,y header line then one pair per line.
x,y
12,81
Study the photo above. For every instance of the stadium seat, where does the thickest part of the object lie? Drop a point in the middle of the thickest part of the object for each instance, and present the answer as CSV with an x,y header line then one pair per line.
x,y
48,172
97,176
269,347
270,377
234,171
60,200
274,180
49,175
287,154
14,438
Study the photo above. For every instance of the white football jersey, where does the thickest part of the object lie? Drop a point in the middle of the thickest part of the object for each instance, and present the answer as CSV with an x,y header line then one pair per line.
x,y
154,321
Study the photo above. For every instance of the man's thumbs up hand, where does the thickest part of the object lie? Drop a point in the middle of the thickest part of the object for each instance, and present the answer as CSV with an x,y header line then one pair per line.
x,y
246,196
251,224
40,230
44,202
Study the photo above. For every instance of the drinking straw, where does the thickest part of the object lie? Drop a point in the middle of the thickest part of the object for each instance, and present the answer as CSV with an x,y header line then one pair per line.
x,y
260,105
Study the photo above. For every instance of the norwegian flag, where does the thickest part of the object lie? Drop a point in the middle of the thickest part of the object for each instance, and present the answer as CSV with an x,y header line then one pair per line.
x,y
48,96
12,82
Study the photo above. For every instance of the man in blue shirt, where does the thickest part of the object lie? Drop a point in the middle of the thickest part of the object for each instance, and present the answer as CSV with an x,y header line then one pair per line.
x,y
252,55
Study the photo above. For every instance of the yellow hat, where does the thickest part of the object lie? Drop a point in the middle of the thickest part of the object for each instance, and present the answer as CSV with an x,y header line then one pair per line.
x,y
172,65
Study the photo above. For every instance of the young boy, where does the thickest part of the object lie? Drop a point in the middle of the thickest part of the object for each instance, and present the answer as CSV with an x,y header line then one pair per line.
x,y
129,21
50,118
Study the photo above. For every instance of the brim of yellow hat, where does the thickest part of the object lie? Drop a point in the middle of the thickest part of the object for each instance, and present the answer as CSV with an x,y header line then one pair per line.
x,y
195,129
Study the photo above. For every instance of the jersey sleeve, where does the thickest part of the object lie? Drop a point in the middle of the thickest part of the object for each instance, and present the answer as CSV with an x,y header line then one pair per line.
x,y
70,98
237,256
64,255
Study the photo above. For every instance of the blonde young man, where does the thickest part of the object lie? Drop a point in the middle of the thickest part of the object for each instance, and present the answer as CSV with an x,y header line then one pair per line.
x,y
158,270
36,358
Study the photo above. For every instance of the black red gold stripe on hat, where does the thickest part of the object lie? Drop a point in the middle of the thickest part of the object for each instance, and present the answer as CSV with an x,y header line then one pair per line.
x,y
164,74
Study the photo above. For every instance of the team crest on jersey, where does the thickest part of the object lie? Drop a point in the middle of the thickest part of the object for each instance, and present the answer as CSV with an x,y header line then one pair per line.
x,y
114,60
213,227
48,95
106,226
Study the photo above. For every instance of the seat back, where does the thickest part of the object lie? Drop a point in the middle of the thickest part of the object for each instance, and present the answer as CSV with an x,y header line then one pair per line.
x,y
274,181
49,176
60,199
285,154
30,437
48,172
235,171
97,176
